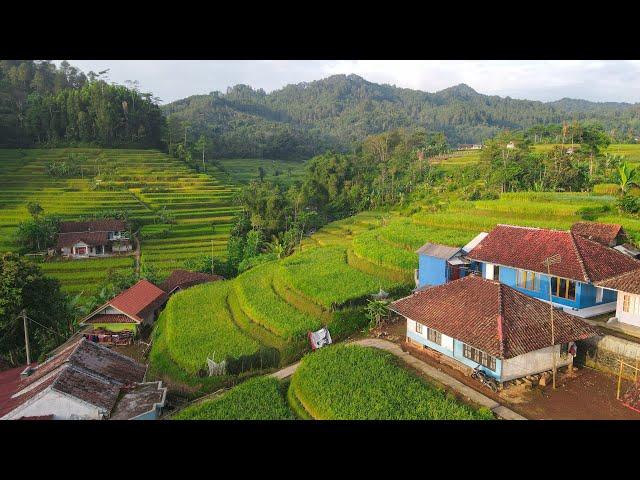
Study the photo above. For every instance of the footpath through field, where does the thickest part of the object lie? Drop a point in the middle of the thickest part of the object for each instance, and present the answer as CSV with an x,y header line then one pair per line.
x,y
500,410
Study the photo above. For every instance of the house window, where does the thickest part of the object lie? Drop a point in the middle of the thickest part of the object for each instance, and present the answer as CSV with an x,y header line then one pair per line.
x,y
599,294
479,356
563,288
626,300
496,272
528,280
434,336
418,327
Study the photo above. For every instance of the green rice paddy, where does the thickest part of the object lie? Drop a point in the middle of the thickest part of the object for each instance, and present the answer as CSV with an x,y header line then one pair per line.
x,y
142,182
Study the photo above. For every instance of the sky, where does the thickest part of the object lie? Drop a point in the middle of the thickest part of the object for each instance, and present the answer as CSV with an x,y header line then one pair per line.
x,y
544,80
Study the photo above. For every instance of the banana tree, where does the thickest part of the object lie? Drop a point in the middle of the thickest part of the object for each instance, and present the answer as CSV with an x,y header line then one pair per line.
x,y
628,177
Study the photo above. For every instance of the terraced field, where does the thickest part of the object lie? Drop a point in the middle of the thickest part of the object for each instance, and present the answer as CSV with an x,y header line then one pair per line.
x,y
243,170
456,160
142,182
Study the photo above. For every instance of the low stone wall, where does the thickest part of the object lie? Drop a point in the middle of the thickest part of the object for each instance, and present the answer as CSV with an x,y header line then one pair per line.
x,y
605,352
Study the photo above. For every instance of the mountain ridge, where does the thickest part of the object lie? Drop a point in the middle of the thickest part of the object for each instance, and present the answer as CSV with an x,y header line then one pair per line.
x,y
337,112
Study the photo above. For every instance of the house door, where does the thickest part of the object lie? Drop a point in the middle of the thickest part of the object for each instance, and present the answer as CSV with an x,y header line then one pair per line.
x,y
454,272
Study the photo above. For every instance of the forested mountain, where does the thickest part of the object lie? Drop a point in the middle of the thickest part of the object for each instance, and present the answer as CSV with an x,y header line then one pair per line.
x,y
338,112
41,104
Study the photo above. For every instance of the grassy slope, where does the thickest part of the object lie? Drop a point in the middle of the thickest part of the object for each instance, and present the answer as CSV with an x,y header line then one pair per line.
x,y
260,398
357,383
143,182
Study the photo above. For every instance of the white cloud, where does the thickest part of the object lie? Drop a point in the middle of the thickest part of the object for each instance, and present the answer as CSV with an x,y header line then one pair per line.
x,y
597,80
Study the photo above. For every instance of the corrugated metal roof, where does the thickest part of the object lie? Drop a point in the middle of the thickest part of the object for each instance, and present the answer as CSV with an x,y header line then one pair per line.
x,y
476,240
436,250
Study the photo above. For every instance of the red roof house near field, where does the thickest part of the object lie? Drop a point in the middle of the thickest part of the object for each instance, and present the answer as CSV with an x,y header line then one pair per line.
x,y
181,279
609,234
136,305
484,322
84,381
526,248
93,238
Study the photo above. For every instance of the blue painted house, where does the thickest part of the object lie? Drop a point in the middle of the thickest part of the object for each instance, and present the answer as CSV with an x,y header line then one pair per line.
x,y
487,324
438,264
514,256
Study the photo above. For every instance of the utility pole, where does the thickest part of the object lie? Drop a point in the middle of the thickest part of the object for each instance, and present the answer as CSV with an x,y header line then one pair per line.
x,y
552,260
23,314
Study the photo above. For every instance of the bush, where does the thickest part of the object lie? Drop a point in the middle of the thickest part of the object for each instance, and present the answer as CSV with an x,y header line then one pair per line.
x,y
629,204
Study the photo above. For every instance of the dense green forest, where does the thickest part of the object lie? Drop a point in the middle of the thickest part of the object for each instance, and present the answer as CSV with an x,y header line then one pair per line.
x,y
41,104
336,113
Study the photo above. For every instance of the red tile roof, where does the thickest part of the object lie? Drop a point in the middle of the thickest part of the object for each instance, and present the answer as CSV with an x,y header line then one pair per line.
x,y
140,299
490,316
626,282
135,302
525,247
106,225
605,233
90,238
186,278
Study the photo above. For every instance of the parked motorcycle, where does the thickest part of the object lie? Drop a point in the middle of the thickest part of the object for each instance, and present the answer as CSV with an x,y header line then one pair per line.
x,y
485,379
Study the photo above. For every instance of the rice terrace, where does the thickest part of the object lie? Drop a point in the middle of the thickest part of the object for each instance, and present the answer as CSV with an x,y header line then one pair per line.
x,y
330,250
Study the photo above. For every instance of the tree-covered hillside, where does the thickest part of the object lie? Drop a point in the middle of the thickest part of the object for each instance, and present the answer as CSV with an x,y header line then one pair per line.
x,y
338,112
43,105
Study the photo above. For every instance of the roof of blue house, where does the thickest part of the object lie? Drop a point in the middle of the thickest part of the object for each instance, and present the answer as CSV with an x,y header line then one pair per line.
x,y
582,259
439,251
491,316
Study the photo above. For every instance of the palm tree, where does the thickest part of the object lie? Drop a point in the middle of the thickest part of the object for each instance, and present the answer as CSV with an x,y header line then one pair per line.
x,y
628,177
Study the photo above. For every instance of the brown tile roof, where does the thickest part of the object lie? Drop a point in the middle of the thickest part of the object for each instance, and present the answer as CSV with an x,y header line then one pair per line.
x,y
106,225
185,278
626,282
139,299
490,316
90,238
525,247
85,370
135,302
110,318
605,233
138,399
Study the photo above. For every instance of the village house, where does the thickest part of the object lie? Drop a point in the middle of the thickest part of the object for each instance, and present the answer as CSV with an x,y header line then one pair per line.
x,y
181,279
514,255
627,287
470,146
84,381
487,324
93,238
438,264
136,306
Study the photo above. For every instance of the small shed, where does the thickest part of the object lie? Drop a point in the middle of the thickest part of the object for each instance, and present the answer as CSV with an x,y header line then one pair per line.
x,y
437,264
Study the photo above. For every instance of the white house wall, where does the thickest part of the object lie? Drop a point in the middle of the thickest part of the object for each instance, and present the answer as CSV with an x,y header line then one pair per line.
x,y
447,342
627,317
532,363
51,402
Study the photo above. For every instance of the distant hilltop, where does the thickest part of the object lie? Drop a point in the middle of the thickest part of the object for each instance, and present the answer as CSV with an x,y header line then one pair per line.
x,y
301,120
